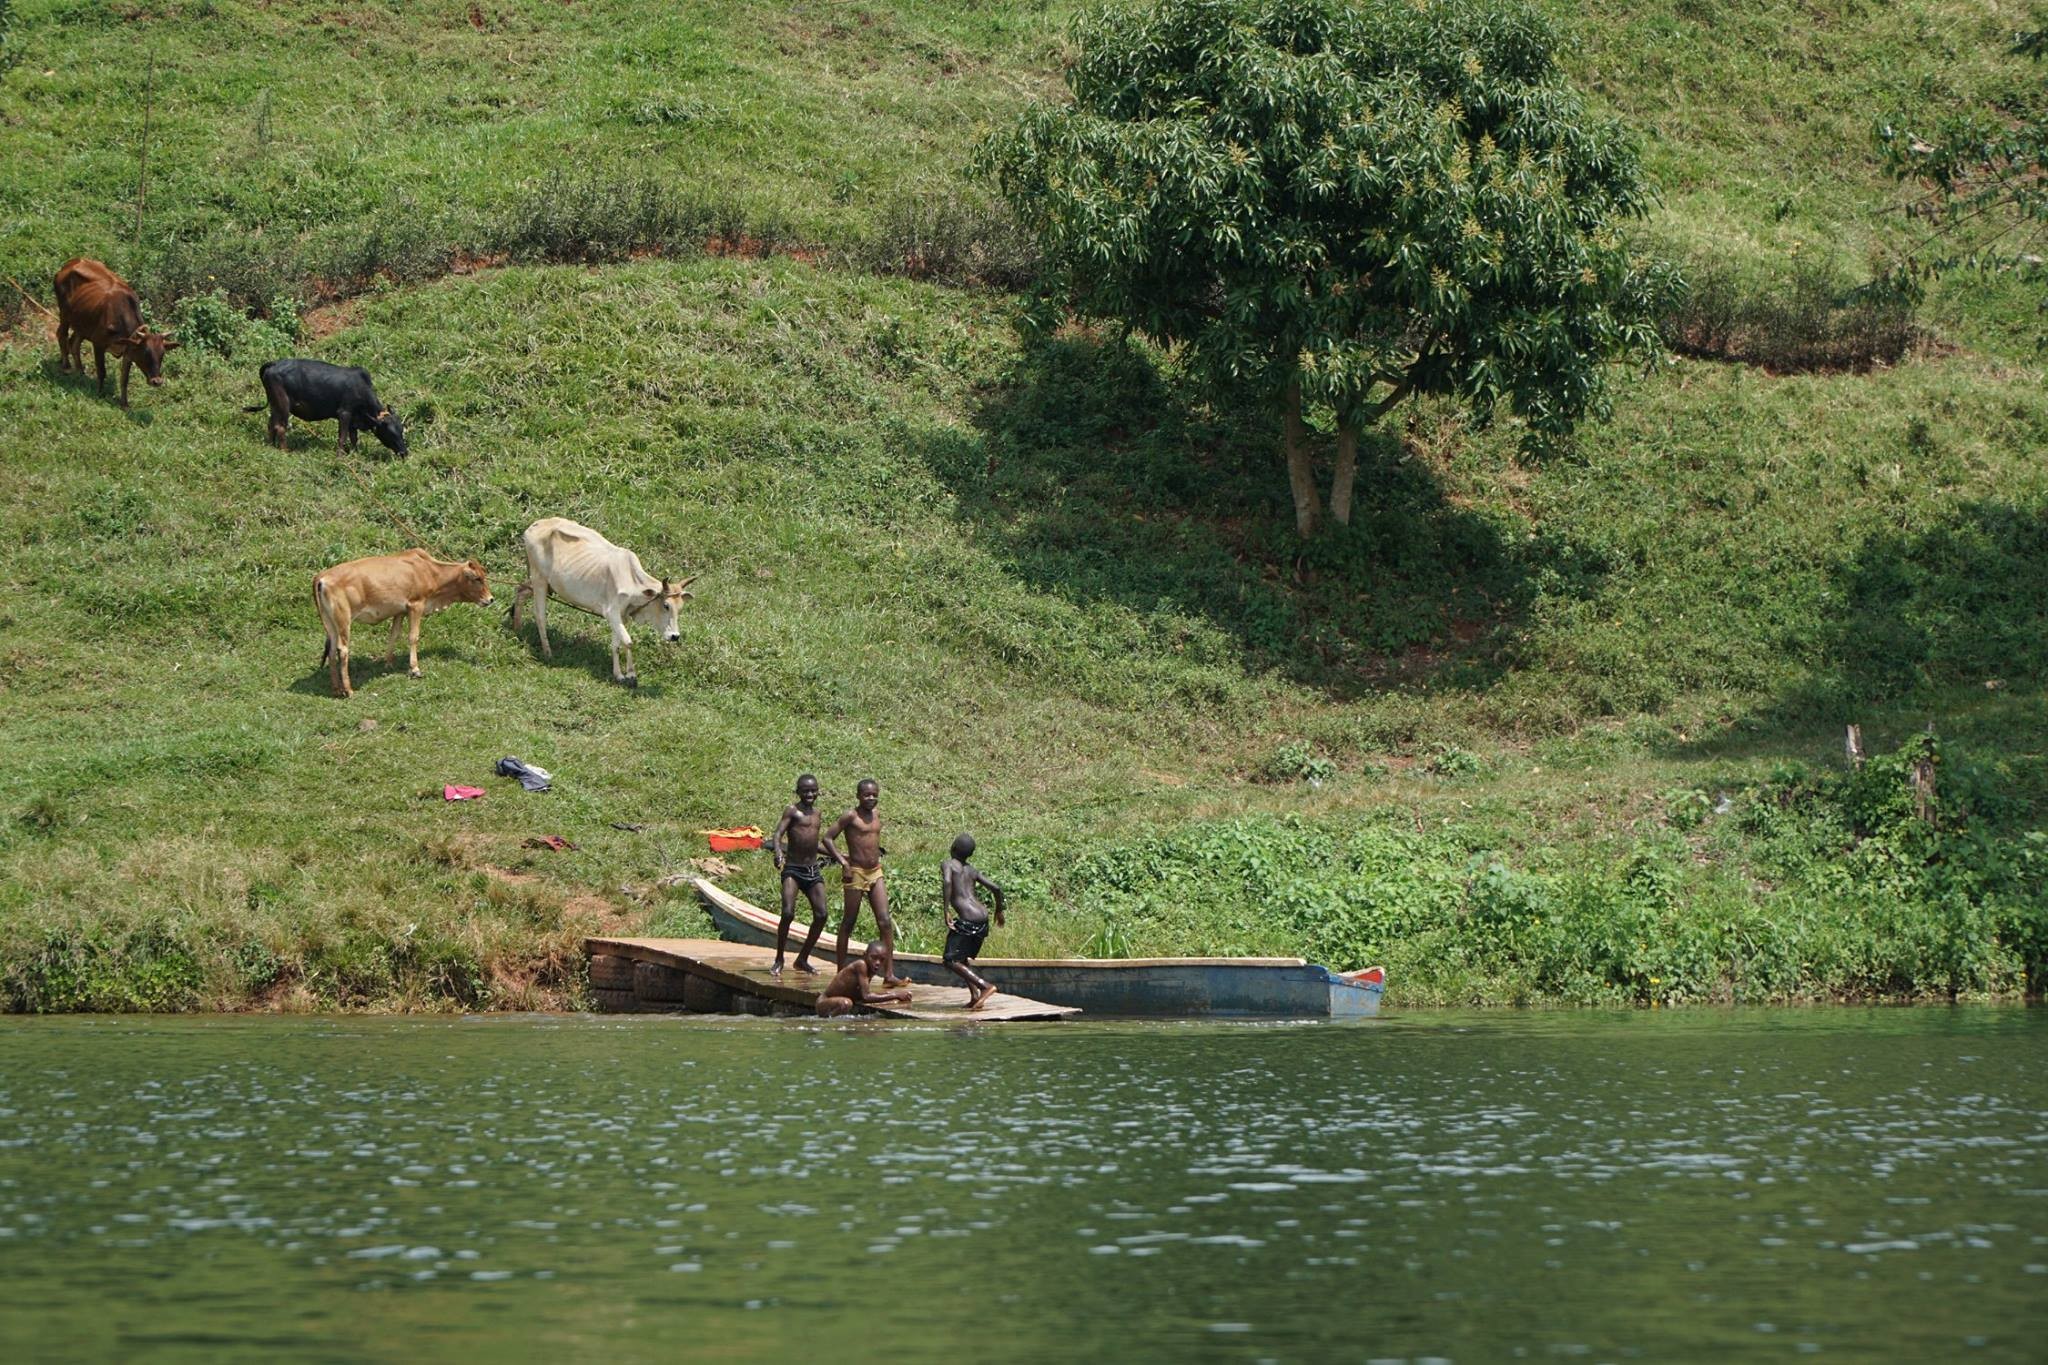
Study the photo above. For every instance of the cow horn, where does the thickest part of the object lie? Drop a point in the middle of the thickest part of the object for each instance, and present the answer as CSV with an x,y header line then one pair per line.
x,y
688,581
382,413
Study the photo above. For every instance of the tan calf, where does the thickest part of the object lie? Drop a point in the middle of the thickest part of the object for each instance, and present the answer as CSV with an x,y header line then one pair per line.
x,y
401,588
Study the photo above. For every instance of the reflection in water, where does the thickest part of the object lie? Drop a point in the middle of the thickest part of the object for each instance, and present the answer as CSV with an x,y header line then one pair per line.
x,y
1463,1187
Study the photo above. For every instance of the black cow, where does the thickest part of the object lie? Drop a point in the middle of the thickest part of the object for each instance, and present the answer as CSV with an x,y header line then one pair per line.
x,y
315,391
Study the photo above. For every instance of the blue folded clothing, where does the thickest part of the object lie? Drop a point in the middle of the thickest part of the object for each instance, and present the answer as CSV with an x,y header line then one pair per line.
x,y
532,778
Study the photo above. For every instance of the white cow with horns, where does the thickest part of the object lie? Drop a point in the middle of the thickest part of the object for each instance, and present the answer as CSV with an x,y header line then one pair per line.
x,y
585,570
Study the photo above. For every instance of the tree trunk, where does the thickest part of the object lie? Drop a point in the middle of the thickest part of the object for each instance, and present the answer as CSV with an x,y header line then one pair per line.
x,y
1347,470
1301,470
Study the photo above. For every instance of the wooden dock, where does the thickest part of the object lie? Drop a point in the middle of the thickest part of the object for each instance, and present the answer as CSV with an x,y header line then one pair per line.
x,y
706,976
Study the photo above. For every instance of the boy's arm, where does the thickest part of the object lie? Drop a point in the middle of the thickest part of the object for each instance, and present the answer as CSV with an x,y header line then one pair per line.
x,y
861,996
993,890
775,839
831,849
946,893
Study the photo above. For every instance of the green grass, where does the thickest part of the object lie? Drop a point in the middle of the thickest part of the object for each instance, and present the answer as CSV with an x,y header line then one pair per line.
x,y
1047,593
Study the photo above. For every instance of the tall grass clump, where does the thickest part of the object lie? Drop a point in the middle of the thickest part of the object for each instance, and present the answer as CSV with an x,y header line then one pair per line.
x,y
949,236
598,218
1803,319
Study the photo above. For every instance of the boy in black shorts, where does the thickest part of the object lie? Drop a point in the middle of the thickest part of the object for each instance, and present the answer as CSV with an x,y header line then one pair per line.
x,y
967,918
796,848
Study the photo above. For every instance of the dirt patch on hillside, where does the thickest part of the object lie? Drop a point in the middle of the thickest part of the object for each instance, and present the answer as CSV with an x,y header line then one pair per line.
x,y
324,321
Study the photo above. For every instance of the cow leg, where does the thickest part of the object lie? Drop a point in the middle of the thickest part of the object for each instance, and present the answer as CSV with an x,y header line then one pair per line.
x,y
344,435
622,641
126,361
519,595
65,333
280,412
416,613
391,649
337,639
99,360
540,616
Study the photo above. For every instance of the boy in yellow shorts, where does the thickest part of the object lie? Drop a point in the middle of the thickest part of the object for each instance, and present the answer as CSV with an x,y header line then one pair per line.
x,y
861,876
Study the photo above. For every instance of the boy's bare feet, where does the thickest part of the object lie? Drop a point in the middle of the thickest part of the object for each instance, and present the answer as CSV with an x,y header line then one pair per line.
x,y
806,968
776,970
981,997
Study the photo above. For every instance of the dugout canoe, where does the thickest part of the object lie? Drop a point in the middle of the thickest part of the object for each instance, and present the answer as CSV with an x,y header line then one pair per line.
x,y
1180,987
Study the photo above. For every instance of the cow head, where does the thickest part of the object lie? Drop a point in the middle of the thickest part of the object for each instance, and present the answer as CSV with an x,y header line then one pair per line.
x,y
663,604
473,585
386,427
146,349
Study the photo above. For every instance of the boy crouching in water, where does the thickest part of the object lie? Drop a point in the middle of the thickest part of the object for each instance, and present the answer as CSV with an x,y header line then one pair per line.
x,y
967,917
849,989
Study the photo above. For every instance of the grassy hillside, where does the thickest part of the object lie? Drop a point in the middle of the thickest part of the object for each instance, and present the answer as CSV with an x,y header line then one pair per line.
x,y
1554,732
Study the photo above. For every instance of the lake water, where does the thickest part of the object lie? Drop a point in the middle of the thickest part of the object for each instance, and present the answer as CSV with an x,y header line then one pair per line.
x,y
1462,1187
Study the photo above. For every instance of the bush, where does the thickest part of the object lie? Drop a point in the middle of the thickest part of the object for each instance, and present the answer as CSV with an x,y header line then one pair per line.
x,y
613,218
1296,761
1806,319
249,270
1448,760
951,238
211,322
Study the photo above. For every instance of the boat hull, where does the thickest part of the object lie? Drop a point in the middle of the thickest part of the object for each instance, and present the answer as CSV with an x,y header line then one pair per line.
x,y
1270,988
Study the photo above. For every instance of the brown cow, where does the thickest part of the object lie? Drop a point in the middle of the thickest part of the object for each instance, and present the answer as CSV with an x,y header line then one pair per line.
x,y
401,587
94,304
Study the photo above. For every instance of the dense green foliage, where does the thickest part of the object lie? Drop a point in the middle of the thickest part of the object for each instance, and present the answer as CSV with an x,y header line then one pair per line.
x,y
1342,205
1042,587
1862,898
1984,171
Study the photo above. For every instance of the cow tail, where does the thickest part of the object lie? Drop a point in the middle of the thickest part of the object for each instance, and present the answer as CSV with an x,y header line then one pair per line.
x,y
320,605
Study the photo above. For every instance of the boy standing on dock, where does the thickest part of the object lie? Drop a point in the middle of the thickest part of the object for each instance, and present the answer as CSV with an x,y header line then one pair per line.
x,y
849,990
800,870
967,917
861,875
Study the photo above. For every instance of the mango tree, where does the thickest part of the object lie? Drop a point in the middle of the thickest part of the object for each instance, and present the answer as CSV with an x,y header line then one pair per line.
x,y
1340,204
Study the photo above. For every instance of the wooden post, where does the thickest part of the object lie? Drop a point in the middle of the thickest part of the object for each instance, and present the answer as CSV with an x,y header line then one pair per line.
x,y
1923,778
142,178
1854,746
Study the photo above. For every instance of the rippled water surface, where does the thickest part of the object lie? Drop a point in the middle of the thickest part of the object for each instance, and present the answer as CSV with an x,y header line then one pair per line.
x,y
1452,1187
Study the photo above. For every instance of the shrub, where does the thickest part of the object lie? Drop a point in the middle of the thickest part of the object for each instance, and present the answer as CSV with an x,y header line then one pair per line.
x,y
951,238
611,218
1296,761
212,322
249,270
1806,318
1448,760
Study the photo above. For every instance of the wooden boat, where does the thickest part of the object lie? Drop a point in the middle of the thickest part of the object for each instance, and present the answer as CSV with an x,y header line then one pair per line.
x,y
1267,987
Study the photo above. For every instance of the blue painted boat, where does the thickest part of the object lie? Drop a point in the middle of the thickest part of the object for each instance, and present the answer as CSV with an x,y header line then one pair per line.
x,y
1238,987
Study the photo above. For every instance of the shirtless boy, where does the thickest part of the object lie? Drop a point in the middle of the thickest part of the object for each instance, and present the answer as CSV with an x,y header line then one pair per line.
x,y
798,863
967,917
849,990
861,875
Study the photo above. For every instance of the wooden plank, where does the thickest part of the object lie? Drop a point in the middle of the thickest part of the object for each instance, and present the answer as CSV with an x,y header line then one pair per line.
x,y
744,968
